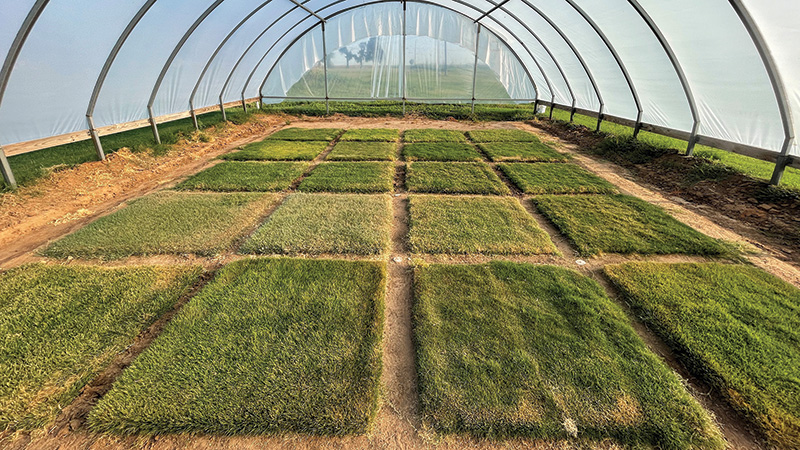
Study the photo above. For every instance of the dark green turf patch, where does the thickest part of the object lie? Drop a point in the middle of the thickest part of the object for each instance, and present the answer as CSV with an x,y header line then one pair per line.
x,y
270,150
269,346
508,350
736,327
363,151
306,134
363,177
440,151
434,135
459,225
454,178
60,326
246,176
522,151
502,136
372,135
545,178
599,224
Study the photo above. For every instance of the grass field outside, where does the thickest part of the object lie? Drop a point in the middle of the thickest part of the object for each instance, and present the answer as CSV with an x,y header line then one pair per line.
x,y
274,150
522,151
440,151
434,135
306,134
371,135
546,178
168,222
501,136
326,223
249,176
454,178
507,350
363,151
484,225
599,224
60,326
736,327
359,177
269,346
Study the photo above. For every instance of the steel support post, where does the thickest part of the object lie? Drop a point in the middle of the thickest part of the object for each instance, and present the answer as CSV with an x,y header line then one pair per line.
x,y
101,155
8,175
475,66
222,110
325,68
780,167
692,139
153,125
403,70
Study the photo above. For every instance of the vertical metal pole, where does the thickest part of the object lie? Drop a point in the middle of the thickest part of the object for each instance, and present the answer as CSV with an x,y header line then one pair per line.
x,y
780,166
552,104
222,109
101,155
194,115
8,175
475,66
599,117
403,71
325,68
638,127
153,125
692,139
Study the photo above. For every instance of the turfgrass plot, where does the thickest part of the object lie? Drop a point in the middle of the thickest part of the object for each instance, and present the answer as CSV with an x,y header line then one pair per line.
x,y
508,349
168,222
60,326
454,178
306,134
363,177
326,223
522,151
271,150
363,151
433,135
440,151
545,178
736,327
246,176
372,135
502,136
446,224
599,224
270,345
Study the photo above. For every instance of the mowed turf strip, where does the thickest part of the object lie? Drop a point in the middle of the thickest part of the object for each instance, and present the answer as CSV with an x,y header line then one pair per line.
x,y
270,345
440,151
270,150
326,223
736,327
306,134
486,225
168,222
502,136
363,177
507,349
433,135
599,224
363,151
546,178
60,326
372,134
522,151
246,176
454,178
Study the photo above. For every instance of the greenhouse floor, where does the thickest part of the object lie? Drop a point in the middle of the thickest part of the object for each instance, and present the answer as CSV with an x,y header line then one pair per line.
x,y
415,241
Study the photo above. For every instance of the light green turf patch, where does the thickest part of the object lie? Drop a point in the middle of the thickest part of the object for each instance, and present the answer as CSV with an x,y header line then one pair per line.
x,y
363,151
434,135
736,327
278,151
502,136
543,178
522,151
440,151
168,222
60,326
269,346
372,135
599,224
326,223
363,177
508,349
246,176
445,224
454,178
306,134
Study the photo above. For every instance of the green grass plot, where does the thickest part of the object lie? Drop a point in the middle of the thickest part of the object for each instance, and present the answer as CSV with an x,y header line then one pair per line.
x,y
363,177
736,327
434,135
269,346
326,223
306,134
522,151
502,136
246,176
168,222
458,225
441,151
507,349
599,224
372,135
271,150
60,326
363,151
454,178
544,178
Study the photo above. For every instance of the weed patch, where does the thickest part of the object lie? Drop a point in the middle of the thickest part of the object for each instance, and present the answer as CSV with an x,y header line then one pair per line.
x,y
454,178
245,176
363,177
544,178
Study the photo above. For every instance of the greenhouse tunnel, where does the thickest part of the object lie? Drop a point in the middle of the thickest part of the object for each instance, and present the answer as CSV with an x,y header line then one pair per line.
x,y
720,73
